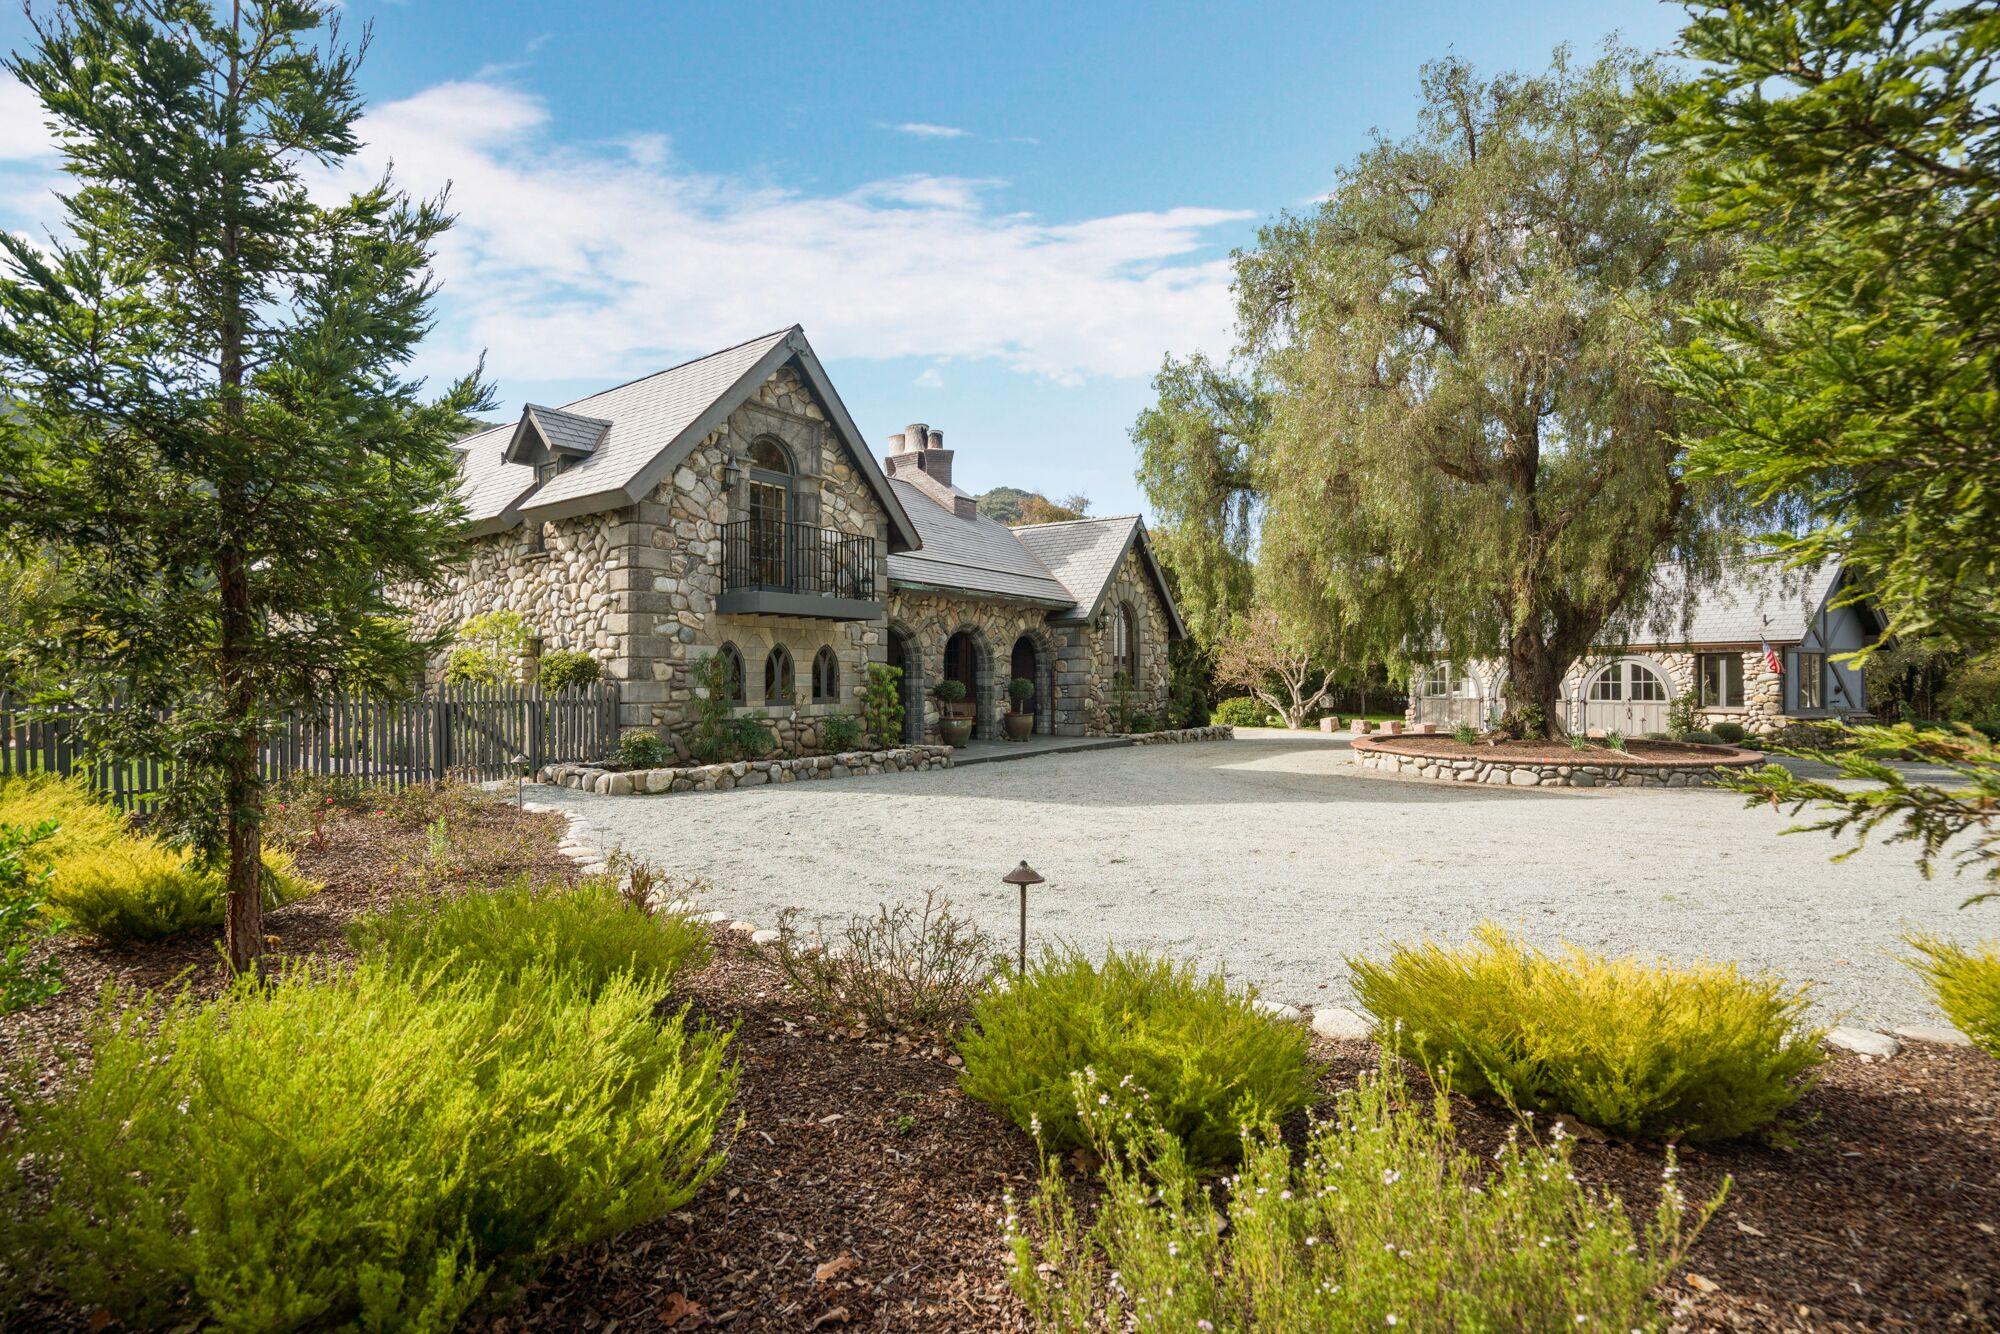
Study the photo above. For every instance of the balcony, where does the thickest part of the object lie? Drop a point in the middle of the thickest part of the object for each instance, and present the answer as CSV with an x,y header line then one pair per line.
x,y
796,569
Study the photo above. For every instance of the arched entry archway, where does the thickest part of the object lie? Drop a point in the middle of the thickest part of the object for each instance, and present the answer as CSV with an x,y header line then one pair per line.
x,y
1627,696
1032,661
967,661
910,686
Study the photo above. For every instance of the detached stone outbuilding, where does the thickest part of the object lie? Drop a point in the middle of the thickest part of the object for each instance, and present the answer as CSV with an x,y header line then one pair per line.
x,y
730,505
1760,649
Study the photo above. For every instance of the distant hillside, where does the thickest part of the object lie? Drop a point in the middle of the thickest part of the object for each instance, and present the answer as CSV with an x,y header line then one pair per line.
x,y
1011,505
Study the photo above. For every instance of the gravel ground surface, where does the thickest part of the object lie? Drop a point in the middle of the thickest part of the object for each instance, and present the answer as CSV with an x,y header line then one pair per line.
x,y
1273,856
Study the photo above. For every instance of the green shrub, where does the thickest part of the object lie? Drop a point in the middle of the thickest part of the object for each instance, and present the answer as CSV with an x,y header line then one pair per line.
x,y
590,928
1139,722
642,750
1465,734
1021,690
882,703
1206,1058
1731,733
488,648
1643,1049
750,739
1965,983
565,669
364,1149
840,732
1615,740
1579,741
1383,1221
1682,715
1702,738
1241,711
119,886
24,980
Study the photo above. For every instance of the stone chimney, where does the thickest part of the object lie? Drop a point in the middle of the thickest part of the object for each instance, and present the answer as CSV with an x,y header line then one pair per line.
x,y
920,448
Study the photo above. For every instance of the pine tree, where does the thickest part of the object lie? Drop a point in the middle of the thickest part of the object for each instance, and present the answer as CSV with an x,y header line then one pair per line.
x,y
214,421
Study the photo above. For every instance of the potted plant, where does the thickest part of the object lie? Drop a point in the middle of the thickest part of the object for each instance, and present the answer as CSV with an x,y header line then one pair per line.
x,y
1021,722
953,729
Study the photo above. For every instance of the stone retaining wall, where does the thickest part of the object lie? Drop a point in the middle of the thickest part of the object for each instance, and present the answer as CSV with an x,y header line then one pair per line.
x,y
745,773
1527,773
1214,732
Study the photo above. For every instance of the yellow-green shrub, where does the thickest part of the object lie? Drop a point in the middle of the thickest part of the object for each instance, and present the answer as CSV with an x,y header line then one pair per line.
x,y
1966,983
1641,1048
590,929
1204,1058
1379,1221
122,886
361,1149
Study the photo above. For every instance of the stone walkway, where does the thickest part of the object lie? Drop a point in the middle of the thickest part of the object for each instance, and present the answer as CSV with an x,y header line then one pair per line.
x,y
1273,856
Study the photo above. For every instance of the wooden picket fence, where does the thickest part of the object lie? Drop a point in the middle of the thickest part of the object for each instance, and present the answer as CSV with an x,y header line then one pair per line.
x,y
467,733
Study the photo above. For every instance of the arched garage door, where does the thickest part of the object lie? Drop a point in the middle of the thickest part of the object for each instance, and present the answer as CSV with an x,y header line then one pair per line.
x,y
1627,696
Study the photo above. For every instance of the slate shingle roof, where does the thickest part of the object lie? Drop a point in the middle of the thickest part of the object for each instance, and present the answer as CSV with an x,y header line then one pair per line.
x,y
570,431
1753,603
974,555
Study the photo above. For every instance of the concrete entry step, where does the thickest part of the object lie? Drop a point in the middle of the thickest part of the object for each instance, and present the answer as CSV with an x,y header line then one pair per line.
x,y
994,752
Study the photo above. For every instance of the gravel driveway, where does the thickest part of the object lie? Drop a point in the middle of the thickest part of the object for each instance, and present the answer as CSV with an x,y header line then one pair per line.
x,y
1272,856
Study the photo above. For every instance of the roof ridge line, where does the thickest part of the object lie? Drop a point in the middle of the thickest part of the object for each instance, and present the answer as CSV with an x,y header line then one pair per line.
x,y
1061,523
679,365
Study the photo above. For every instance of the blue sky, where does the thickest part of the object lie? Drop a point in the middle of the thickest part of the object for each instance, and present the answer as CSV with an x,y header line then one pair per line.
x,y
995,219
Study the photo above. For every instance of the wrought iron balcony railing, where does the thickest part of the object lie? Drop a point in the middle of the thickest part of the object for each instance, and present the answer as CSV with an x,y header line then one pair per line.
x,y
766,557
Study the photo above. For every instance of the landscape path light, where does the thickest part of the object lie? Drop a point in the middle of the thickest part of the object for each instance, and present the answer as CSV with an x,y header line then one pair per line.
x,y
1023,875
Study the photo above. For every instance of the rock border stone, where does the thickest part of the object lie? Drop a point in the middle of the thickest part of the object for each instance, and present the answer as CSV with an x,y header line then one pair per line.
x,y
1179,735
1379,755
744,773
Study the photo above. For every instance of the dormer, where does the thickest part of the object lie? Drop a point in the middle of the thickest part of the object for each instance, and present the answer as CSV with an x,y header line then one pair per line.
x,y
551,441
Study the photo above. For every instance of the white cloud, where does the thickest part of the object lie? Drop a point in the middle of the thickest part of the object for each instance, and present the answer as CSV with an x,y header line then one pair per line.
x,y
24,135
597,261
926,130
930,379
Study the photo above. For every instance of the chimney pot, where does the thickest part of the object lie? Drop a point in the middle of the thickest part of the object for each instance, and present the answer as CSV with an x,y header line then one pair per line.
x,y
934,439
895,444
914,434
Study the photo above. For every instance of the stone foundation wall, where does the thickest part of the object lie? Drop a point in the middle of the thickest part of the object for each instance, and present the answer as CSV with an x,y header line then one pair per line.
x,y
745,773
1542,774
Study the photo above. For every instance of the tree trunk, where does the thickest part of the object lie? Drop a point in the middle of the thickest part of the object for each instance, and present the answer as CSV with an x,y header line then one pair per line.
x,y
1535,669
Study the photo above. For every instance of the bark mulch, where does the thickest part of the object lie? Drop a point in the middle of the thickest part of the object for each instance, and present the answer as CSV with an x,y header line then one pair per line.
x,y
864,1192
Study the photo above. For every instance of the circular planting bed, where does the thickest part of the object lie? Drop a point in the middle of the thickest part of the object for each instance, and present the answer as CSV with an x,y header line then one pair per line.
x,y
1551,764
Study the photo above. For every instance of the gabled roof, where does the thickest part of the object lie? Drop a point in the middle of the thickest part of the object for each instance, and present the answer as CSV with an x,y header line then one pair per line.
x,y
971,554
1755,602
650,425
1084,554
556,430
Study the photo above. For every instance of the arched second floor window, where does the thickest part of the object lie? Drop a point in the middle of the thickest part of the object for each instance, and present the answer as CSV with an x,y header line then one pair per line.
x,y
1125,641
779,681
733,690
826,677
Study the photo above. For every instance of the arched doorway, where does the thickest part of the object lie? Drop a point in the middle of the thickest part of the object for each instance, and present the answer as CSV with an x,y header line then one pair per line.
x,y
1627,696
903,657
963,663
1030,663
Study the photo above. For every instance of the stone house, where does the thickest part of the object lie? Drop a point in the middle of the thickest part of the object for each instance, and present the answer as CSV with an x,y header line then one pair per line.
x,y
729,505
1759,649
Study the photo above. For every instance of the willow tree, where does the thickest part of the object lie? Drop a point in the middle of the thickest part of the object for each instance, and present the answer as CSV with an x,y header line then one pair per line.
x,y
213,415
1468,448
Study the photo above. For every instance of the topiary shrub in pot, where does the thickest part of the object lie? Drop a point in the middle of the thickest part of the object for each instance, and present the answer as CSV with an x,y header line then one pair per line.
x,y
1021,722
954,730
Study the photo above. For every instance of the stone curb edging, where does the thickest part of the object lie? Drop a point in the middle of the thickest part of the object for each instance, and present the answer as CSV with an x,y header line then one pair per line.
x,y
1179,735
1547,773
744,773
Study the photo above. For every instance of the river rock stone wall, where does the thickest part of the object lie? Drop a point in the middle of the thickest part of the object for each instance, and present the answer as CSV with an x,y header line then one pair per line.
x,y
1521,773
745,773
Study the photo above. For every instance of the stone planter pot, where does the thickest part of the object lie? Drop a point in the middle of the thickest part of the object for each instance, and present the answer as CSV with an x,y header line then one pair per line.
x,y
955,731
1329,724
1020,726
1363,727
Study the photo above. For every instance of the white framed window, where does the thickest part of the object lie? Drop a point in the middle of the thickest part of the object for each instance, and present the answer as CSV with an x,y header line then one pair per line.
x,y
1643,684
1812,681
1721,678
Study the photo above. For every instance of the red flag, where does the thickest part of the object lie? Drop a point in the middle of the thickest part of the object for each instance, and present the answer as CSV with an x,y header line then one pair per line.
x,y
1772,663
